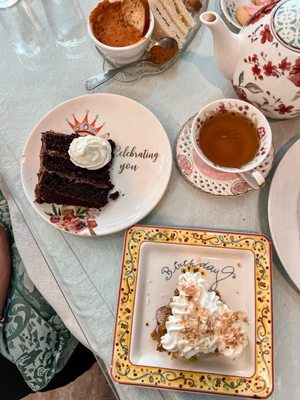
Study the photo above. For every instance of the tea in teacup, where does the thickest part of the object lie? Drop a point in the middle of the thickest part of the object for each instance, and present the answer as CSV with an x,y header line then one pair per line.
x,y
232,136
229,139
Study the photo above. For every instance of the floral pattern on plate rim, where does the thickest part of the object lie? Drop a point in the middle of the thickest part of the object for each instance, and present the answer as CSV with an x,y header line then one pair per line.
x,y
74,219
260,385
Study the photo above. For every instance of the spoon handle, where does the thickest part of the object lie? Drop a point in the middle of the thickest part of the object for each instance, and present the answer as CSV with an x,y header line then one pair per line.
x,y
97,80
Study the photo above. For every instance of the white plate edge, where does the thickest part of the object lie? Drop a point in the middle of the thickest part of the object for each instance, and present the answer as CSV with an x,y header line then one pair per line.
x,y
273,235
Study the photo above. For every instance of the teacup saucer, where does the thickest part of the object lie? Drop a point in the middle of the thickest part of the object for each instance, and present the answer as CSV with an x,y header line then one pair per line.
x,y
206,178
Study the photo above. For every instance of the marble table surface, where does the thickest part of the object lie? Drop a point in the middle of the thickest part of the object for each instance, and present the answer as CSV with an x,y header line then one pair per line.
x,y
37,77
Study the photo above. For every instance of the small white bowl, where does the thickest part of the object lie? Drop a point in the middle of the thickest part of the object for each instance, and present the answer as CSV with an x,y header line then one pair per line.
x,y
126,54
229,8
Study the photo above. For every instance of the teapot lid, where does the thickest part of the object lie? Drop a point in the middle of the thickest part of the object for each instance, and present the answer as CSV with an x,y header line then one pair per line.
x,y
286,23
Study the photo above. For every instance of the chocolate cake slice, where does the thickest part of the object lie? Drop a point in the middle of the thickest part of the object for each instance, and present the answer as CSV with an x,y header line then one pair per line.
x,y
62,182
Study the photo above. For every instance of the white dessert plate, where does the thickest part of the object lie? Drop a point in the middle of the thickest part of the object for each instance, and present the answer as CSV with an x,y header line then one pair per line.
x,y
283,212
140,171
237,265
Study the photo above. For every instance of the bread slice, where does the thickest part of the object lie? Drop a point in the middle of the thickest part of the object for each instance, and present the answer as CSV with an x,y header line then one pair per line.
x,y
171,9
185,15
171,19
137,14
164,26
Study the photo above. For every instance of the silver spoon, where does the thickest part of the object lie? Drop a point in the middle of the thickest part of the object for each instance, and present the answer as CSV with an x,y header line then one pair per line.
x,y
159,53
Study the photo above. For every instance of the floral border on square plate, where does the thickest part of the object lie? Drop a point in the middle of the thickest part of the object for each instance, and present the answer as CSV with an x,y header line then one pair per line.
x,y
260,385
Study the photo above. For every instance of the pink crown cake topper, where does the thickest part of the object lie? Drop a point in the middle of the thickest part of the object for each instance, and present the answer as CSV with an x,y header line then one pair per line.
x,y
85,127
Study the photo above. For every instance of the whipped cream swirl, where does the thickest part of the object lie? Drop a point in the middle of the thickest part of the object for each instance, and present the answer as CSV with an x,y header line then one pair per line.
x,y
201,322
90,152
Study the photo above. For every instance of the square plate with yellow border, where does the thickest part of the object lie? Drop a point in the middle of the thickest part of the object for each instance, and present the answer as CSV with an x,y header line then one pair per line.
x,y
237,265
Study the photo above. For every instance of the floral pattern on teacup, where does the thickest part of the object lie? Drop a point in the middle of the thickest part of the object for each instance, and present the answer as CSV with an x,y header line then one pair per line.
x,y
229,107
261,132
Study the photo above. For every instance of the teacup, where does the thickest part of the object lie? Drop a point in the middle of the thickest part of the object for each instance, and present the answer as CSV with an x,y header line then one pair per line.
x,y
126,54
262,128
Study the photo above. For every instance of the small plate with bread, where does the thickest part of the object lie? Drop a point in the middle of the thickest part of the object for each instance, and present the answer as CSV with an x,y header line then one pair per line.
x,y
238,12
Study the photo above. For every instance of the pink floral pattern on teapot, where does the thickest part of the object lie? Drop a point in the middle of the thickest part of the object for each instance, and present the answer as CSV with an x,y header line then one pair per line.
x,y
263,60
268,76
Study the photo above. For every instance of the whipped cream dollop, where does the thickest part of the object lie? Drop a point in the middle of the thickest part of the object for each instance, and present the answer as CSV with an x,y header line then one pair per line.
x,y
201,322
90,152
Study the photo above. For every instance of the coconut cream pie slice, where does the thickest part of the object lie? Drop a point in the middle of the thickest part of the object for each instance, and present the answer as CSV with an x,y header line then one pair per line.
x,y
198,322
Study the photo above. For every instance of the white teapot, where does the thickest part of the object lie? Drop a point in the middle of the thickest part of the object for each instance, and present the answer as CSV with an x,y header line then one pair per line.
x,y
263,60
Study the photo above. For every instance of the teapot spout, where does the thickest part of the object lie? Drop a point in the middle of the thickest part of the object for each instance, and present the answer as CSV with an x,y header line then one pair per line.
x,y
227,45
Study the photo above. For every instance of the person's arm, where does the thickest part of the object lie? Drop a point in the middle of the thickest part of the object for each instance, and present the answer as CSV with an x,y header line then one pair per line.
x,y
5,268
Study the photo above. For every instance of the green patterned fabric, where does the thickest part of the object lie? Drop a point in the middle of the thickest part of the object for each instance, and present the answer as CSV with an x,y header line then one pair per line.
x,y
33,336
